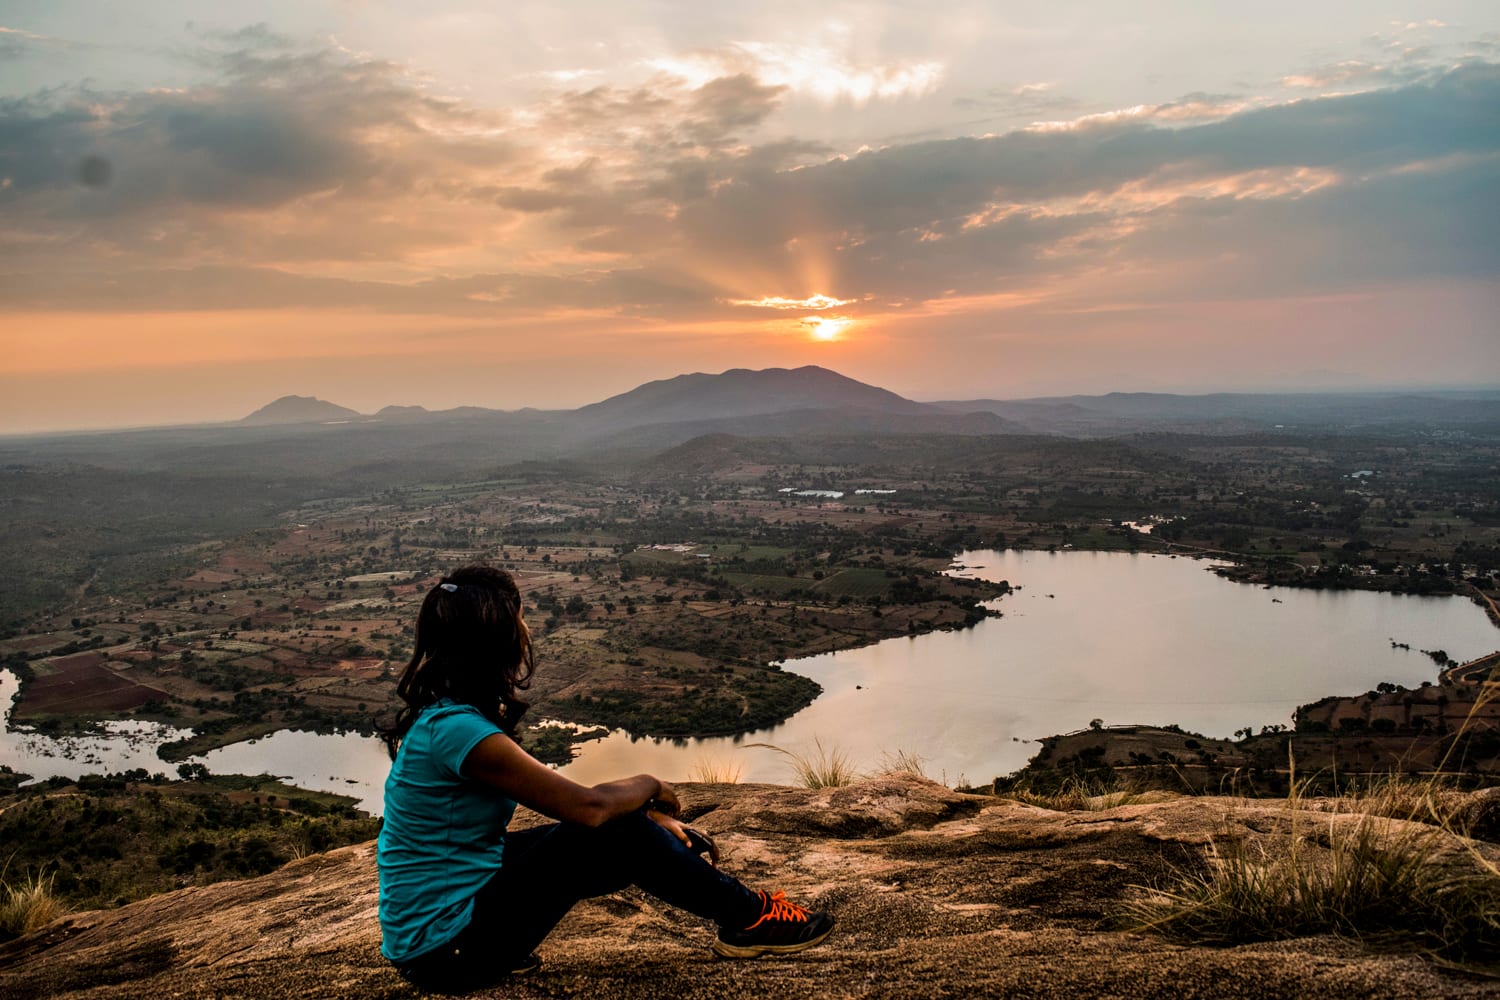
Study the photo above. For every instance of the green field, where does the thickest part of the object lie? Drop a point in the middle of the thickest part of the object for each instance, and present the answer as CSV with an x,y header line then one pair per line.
x,y
856,582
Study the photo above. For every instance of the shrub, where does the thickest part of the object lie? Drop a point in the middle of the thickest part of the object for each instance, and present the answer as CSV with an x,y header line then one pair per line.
x,y
1375,876
1400,868
28,905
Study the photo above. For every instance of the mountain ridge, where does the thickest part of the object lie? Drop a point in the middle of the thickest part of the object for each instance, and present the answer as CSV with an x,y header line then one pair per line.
x,y
769,401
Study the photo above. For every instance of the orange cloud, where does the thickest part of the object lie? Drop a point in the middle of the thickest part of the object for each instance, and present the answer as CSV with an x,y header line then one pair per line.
x,y
778,302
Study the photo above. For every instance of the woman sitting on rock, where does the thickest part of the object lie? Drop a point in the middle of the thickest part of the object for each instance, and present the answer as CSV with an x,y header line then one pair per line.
x,y
462,901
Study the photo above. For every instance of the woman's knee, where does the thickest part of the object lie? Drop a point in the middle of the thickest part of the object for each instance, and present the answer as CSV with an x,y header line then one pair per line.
x,y
640,832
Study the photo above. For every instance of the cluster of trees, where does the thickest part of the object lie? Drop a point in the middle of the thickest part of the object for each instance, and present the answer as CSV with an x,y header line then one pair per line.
x,y
752,700
109,839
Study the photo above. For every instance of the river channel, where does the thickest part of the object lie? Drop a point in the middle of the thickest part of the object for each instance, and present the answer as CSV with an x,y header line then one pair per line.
x,y
1118,637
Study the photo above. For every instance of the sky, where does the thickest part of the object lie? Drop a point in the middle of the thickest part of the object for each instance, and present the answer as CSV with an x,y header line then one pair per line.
x,y
206,206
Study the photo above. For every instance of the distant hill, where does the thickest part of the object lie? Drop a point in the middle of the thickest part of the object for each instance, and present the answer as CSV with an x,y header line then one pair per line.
x,y
1119,413
403,413
300,410
1026,456
814,400
796,424
741,392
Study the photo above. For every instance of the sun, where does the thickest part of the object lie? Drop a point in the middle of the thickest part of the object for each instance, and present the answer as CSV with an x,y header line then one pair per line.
x,y
826,328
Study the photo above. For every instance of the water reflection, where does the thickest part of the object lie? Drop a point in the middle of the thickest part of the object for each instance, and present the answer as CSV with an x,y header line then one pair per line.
x,y
1124,638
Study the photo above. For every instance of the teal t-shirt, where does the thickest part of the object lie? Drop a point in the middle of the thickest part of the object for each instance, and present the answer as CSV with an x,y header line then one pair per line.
x,y
442,837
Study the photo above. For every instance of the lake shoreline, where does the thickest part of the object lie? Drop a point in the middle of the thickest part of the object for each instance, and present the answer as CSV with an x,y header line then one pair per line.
x,y
1234,567
965,562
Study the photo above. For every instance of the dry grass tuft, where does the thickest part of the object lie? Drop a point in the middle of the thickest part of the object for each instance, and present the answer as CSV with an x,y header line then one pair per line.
x,y
821,767
715,771
28,905
1077,793
902,762
1392,864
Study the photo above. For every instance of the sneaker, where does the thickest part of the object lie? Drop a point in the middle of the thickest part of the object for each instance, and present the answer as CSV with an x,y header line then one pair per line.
x,y
783,928
516,967
451,970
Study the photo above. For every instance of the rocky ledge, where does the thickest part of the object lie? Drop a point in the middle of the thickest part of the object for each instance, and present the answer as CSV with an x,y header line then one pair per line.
x,y
937,894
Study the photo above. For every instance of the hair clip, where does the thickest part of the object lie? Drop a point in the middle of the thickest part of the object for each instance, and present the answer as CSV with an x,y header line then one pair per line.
x,y
451,588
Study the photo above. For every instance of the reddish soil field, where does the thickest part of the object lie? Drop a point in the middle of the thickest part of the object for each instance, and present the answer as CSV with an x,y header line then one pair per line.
x,y
245,564
82,685
211,576
364,664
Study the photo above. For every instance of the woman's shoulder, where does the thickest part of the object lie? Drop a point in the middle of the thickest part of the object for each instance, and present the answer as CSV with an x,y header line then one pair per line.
x,y
447,730
447,711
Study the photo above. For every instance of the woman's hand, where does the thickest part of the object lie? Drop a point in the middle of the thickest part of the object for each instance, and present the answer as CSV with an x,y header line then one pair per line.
x,y
692,838
671,825
665,800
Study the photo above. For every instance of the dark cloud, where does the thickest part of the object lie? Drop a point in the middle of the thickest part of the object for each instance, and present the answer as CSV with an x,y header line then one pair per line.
x,y
252,36
1400,226
279,127
725,107
902,212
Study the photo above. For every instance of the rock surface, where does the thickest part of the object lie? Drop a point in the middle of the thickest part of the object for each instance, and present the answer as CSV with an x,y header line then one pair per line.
x,y
937,894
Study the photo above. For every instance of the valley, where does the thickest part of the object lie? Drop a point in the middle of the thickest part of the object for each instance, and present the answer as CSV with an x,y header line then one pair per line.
x,y
238,580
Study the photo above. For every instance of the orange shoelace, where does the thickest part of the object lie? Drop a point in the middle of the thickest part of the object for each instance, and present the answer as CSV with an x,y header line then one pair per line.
x,y
776,907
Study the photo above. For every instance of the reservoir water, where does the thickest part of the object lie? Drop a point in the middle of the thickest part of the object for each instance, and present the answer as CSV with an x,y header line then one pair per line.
x,y
1123,638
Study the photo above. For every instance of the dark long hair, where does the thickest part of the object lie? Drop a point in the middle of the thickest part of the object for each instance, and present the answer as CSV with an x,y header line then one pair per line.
x,y
472,646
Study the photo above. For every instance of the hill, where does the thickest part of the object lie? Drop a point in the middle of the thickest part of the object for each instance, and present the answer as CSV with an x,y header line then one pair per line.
x,y
1025,457
797,425
299,410
741,392
937,894
1119,413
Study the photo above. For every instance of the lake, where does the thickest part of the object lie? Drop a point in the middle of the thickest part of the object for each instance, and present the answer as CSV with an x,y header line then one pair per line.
x,y
1125,638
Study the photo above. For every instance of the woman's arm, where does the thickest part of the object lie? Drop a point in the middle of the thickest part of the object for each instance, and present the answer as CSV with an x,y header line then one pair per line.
x,y
498,761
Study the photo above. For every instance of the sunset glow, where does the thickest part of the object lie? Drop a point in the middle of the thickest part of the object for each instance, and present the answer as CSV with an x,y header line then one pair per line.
x,y
826,327
1016,204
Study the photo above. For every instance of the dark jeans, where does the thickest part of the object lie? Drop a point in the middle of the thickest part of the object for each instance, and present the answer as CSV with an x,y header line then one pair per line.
x,y
549,868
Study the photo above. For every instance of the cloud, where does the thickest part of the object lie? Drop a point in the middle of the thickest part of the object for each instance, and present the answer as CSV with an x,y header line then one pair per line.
x,y
288,154
312,177
982,214
818,302
17,43
1025,102
821,72
1349,71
